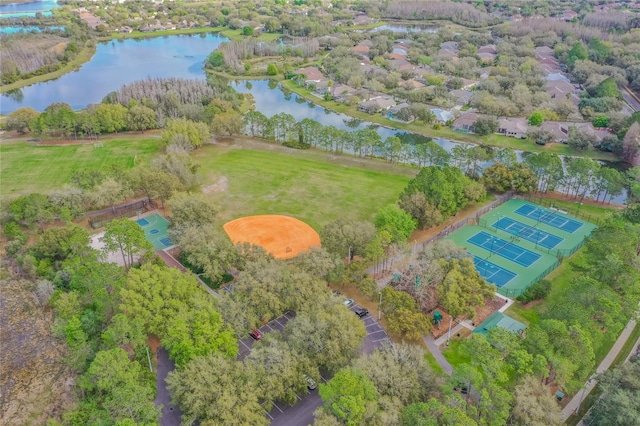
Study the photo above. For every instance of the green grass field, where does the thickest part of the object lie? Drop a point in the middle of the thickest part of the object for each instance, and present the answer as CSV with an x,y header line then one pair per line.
x,y
28,168
311,189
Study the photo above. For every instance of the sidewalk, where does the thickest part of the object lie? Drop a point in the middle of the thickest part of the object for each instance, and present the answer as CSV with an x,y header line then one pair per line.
x,y
574,405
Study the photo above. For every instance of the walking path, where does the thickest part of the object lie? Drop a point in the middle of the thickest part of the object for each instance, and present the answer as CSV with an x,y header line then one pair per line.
x,y
574,405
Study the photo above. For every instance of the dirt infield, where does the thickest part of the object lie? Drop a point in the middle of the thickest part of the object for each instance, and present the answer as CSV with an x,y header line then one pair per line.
x,y
282,236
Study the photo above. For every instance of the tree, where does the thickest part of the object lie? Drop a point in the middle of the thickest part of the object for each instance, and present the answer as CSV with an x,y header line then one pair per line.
x,y
192,210
111,117
227,123
32,209
60,243
347,395
120,387
536,118
463,288
399,371
198,330
601,121
485,126
154,183
523,178
608,88
421,210
141,118
247,30
534,404
207,249
19,119
342,237
578,52
402,314
278,372
216,390
620,396
497,177
272,69
128,237
435,413
195,132
631,145
109,192
256,124
180,165
396,221
581,139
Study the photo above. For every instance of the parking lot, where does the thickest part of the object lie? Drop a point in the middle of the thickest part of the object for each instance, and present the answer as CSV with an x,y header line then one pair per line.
x,y
245,344
301,414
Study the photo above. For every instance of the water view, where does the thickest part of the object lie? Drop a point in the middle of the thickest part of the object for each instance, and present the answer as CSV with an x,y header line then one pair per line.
x,y
405,28
15,10
13,30
116,63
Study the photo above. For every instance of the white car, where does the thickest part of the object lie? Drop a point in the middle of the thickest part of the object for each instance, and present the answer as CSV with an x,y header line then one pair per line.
x,y
348,302
311,384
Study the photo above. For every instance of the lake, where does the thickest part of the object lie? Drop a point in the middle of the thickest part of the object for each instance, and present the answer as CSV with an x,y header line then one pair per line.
x,y
15,10
116,63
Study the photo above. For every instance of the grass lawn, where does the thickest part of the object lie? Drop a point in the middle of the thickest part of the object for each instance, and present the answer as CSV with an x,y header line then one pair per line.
x,y
28,168
149,34
237,35
297,183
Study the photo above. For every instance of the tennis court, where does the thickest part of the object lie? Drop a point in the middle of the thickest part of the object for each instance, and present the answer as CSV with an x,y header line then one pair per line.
x,y
503,248
155,230
529,233
549,217
492,272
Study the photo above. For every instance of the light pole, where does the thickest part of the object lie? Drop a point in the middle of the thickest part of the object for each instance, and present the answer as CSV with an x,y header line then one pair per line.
x,y
449,333
349,258
380,306
579,205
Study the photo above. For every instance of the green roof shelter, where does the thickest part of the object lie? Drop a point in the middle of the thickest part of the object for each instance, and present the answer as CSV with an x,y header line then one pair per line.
x,y
498,319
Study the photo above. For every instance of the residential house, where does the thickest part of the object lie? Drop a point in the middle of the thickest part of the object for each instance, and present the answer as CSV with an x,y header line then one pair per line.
x,y
487,58
411,84
361,49
513,127
560,129
401,65
449,45
468,84
397,56
442,115
392,112
446,53
560,89
376,105
465,122
462,97
341,92
362,19
543,52
489,48
567,15
320,88
312,75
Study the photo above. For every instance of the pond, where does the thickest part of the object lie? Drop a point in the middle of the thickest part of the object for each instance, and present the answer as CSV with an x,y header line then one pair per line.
x,y
408,28
116,63
15,10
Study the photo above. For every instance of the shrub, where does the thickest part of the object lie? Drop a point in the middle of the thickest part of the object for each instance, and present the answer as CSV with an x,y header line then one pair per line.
x,y
538,291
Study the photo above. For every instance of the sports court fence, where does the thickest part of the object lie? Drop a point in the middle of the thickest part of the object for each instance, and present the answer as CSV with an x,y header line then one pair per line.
x,y
546,202
515,292
98,219
470,220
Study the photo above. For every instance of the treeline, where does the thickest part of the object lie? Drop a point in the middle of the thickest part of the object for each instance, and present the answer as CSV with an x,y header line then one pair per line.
x,y
25,55
231,54
460,13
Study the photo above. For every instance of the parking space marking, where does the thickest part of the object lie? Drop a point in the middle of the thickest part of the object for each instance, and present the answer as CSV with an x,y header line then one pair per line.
x,y
267,413
275,405
245,345
298,396
267,325
376,332
382,340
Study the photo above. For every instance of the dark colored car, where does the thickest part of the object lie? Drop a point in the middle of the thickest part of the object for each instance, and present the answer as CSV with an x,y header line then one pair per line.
x,y
362,312
461,387
256,335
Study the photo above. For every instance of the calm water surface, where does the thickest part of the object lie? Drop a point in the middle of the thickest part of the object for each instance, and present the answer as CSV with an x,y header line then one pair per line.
x,y
116,63
27,9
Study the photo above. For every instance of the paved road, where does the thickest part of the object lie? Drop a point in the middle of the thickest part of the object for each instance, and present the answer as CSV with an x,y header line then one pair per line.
x,y
301,414
171,414
630,98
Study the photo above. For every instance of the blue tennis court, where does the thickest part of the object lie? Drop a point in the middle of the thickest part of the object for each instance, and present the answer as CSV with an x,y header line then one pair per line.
x,y
529,233
549,217
504,248
492,272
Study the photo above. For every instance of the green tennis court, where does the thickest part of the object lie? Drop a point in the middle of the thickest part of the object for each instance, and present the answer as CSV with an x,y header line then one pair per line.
x,y
155,230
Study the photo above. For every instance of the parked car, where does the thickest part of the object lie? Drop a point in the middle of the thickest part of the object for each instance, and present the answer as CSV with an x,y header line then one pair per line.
x,y
362,312
336,293
348,303
256,335
461,387
311,384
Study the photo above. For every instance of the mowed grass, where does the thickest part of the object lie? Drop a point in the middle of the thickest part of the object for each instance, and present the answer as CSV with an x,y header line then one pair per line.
x,y
26,167
312,190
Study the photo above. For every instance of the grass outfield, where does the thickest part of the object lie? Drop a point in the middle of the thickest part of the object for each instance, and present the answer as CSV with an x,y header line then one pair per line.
x,y
311,189
28,168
